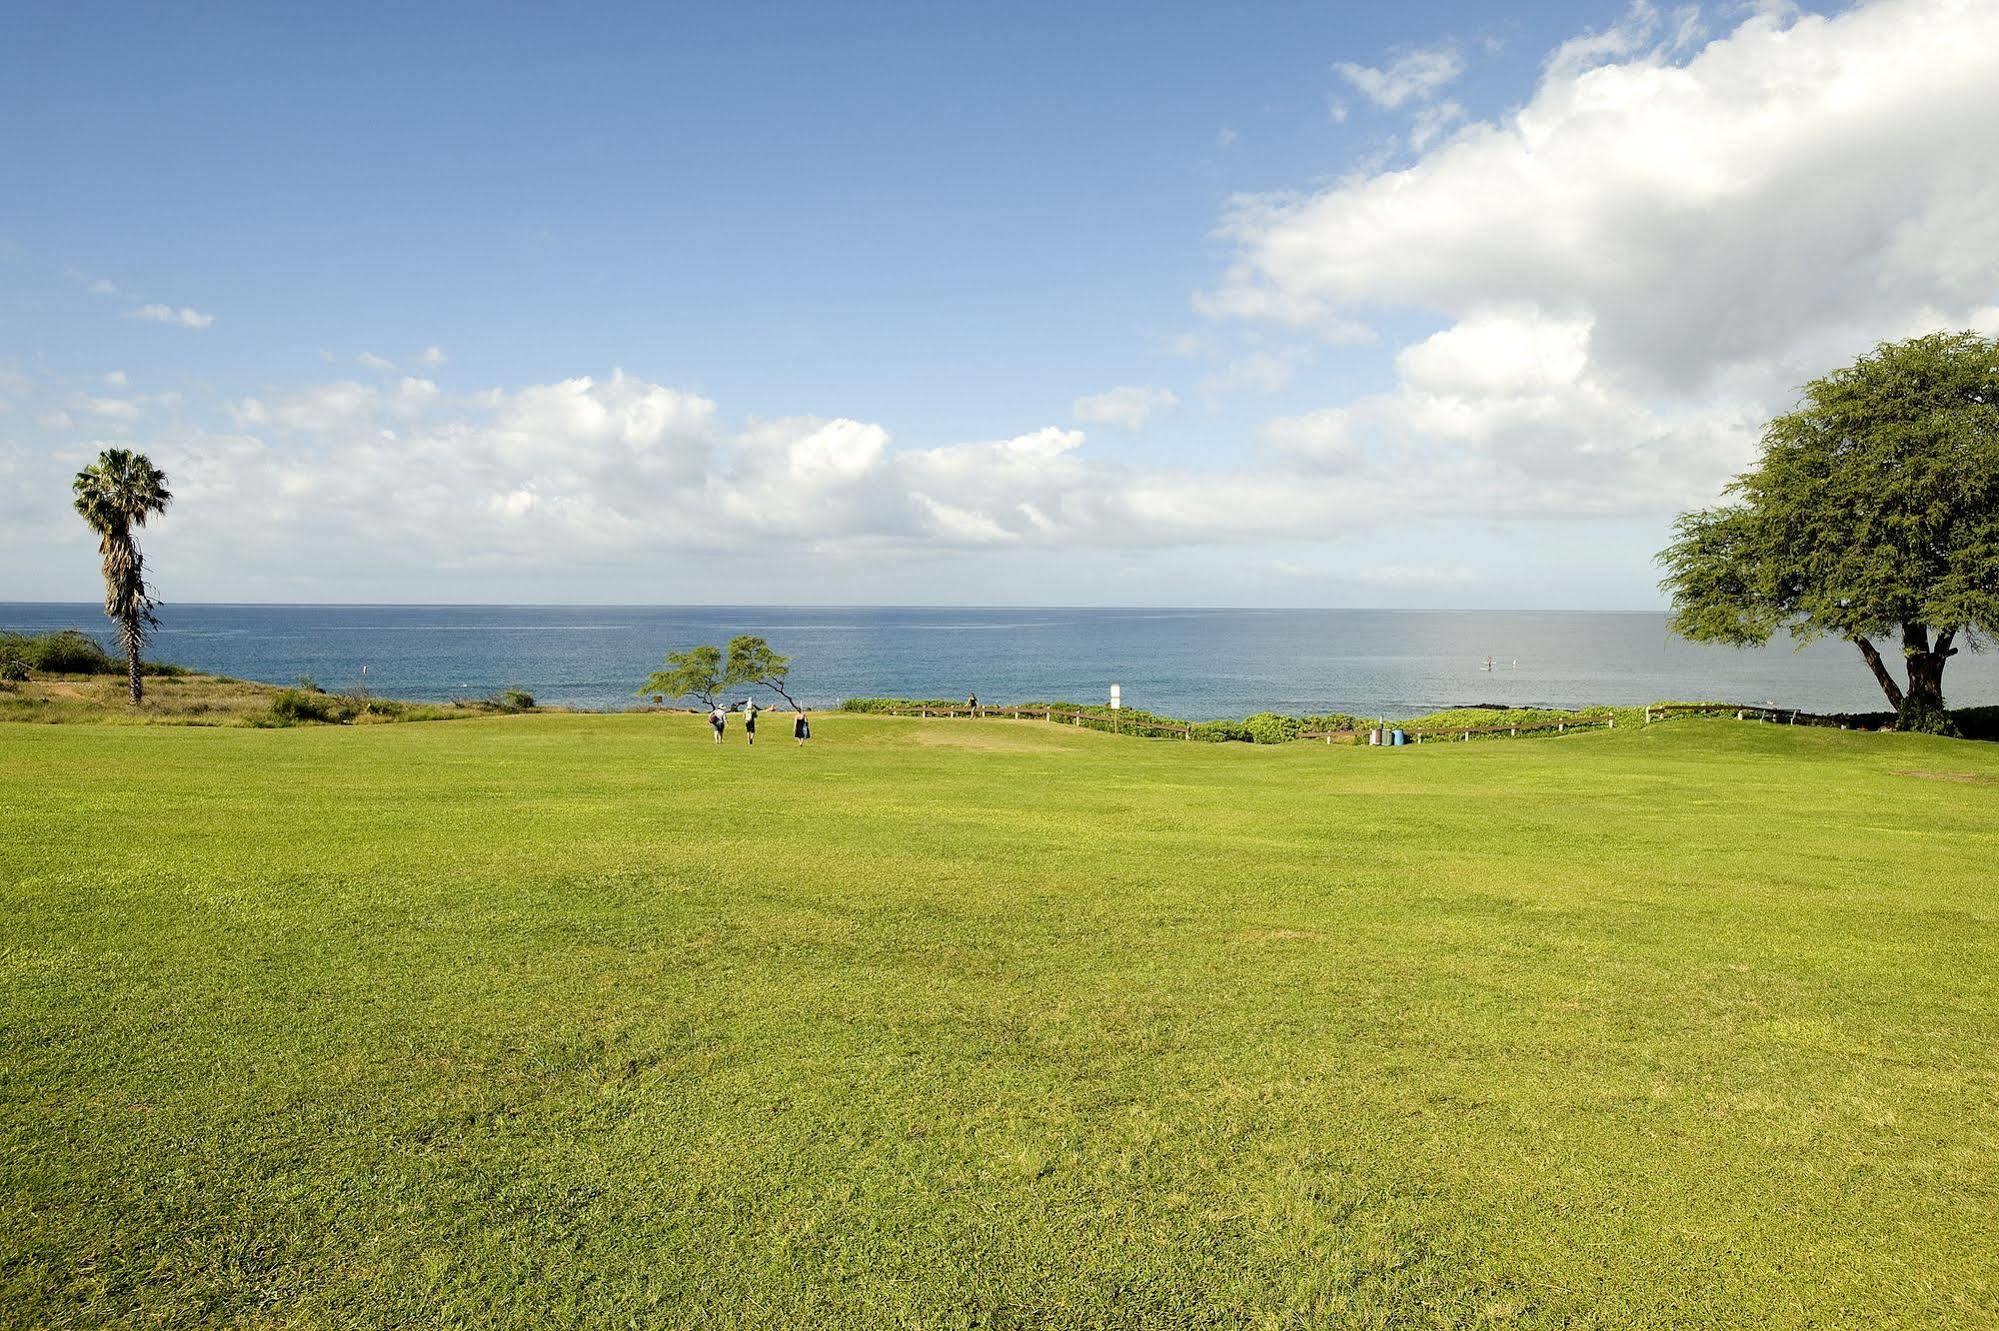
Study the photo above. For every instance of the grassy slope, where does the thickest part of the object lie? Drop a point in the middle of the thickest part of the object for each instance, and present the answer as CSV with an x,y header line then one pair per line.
x,y
581,1020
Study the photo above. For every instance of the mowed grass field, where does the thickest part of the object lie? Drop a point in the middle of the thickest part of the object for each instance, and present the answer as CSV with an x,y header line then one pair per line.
x,y
581,1021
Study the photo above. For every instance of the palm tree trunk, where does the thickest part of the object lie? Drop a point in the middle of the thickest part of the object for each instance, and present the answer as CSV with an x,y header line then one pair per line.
x,y
132,663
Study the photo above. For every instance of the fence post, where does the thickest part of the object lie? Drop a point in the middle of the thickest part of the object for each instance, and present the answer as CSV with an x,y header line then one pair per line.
x,y
1648,716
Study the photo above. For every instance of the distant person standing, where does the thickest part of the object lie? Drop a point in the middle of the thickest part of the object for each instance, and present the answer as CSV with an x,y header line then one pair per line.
x,y
718,721
801,728
750,719
972,704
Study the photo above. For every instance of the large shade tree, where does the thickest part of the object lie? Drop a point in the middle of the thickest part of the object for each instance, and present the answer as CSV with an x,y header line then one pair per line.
x,y
115,495
1872,516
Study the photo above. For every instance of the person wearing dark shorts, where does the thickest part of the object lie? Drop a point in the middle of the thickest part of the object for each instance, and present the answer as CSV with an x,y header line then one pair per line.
x,y
718,721
750,719
801,729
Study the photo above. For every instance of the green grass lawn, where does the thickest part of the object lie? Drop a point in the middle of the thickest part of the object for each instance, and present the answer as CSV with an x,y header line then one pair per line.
x,y
582,1021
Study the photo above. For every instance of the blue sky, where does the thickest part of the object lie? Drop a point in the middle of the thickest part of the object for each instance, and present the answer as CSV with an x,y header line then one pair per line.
x,y
1289,304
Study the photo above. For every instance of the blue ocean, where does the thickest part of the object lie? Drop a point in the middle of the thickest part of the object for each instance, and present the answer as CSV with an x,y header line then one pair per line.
x,y
1191,663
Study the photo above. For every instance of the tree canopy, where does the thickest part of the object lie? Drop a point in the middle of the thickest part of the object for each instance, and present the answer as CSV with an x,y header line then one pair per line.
x,y
1872,513
694,673
751,661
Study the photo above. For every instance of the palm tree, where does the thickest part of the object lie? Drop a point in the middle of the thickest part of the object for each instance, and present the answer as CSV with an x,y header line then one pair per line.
x,y
116,494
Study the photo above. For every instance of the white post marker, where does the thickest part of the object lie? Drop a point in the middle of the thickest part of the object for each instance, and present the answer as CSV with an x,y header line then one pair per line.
x,y
1116,702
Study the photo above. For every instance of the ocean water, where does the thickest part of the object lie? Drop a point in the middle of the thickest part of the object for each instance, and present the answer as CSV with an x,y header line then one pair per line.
x,y
1190,663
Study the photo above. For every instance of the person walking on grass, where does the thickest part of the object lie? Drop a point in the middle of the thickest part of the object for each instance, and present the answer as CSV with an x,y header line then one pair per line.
x,y
718,721
750,719
801,727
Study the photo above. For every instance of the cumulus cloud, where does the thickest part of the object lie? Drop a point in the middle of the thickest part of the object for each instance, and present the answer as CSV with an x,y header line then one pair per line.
x,y
432,355
1639,264
1820,179
370,361
181,315
613,467
1128,406
1413,76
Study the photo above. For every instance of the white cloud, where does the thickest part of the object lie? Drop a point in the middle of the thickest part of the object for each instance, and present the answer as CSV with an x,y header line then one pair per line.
x,y
1790,186
108,408
1263,371
115,379
1128,406
55,419
1627,37
432,355
1637,266
1324,436
319,409
99,286
413,395
1226,138
1432,121
369,360
169,314
1413,76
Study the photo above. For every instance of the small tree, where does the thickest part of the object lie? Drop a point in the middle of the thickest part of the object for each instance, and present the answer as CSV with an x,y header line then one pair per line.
x,y
694,673
115,495
751,661
1873,511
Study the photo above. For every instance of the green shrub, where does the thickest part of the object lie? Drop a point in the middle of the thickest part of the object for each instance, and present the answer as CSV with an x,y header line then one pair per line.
x,y
1977,722
13,669
899,704
74,652
1920,718
1270,728
296,706
63,652
514,700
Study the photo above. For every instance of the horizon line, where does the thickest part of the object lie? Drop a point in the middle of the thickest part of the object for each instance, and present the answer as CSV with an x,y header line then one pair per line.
x,y
852,605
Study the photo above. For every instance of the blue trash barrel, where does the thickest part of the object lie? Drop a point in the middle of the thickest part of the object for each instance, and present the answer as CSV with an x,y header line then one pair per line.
x,y
1401,738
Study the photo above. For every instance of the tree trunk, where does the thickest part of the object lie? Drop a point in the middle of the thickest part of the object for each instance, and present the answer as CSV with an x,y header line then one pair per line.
x,y
132,665
1881,675
1926,679
1925,664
